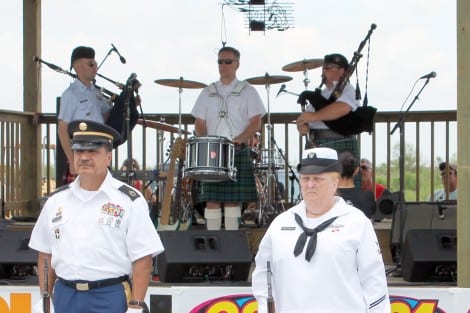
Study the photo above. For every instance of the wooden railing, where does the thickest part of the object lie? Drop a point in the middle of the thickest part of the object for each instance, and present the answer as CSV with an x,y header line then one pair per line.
x,y
16,142
431,134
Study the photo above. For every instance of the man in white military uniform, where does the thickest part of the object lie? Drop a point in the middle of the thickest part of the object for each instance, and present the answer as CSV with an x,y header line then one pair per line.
x,y
323,253
95,234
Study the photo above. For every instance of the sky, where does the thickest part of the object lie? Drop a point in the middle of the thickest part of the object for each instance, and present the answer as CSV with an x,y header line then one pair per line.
x,y
180,38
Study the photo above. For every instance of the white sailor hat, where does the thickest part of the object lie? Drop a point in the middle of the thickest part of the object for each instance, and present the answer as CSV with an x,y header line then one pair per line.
x,y
319,160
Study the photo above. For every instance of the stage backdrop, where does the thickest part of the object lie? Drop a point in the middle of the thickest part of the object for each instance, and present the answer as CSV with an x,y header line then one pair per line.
x,y
220,298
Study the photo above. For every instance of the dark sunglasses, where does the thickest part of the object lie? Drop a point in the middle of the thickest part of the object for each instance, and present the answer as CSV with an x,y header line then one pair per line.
x,y
363,167
92,64
225,61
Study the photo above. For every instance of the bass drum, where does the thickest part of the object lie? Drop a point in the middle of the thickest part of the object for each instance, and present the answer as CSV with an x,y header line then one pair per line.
x,y
210,159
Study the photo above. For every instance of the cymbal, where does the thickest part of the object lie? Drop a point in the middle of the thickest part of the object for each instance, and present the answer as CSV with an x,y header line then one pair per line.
x,y
268,80
180,83
161,126
303,65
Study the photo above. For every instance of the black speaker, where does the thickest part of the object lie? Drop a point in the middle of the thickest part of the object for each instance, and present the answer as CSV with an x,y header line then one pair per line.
x,y
195,256
430,255
14,242
419,215
16,258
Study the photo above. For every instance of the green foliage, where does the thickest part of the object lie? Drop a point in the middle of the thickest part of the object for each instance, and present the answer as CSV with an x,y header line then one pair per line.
x,y
414,191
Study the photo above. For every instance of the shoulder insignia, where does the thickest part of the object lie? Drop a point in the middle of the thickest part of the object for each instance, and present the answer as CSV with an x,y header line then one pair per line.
x,y
129,191
61,188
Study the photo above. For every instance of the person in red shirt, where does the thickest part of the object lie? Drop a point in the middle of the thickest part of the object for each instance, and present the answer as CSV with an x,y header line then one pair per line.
x,y
366,179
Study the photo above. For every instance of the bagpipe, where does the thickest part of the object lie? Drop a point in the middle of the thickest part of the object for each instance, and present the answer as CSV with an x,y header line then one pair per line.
x,y
125,103
355,122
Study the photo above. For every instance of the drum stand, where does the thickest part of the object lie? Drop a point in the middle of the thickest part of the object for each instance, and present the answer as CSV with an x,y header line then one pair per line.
x,y
179,83
160,164
292,176
268,208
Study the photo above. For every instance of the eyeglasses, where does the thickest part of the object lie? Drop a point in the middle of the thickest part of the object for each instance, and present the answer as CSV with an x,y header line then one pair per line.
x,y
225,61
364,167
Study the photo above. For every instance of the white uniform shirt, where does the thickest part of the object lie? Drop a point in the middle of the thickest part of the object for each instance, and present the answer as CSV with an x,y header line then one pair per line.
x,y
95,238
346,274
348,96
82,102
440,195
239,107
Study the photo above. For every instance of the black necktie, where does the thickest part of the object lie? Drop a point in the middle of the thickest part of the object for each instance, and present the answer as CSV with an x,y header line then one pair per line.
x,y
312,243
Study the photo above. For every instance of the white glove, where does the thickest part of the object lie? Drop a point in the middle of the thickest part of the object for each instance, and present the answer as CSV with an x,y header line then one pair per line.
x,y
38,307
133,310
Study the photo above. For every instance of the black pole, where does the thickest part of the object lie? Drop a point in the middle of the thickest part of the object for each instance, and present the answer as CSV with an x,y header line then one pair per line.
x,y
105,57
127,130
401,195
292,175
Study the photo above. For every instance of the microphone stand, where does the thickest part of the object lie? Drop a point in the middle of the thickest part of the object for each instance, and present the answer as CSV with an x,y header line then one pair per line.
x,y
292,175
401,195
105,57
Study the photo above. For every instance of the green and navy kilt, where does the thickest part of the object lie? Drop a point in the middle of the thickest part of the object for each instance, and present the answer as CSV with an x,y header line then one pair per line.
x,y
342,144
241,190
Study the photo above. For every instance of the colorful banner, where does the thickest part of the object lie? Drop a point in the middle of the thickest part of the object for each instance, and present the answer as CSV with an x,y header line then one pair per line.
x,y
227,299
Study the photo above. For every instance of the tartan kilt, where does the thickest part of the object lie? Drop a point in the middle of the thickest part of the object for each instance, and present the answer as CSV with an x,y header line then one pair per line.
x,y
241,190
347,144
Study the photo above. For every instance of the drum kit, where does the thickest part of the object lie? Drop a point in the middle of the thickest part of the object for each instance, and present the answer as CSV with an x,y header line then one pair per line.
x,y
266,167
303,66
211,158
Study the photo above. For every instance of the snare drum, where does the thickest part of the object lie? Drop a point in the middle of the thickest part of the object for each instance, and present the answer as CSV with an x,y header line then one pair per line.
x,y
263,161
210,159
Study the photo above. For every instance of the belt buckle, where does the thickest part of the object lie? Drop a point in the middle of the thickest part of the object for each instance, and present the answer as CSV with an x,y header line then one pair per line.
x,y
82,286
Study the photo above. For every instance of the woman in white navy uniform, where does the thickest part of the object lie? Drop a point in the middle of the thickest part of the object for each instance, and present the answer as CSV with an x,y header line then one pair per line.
x,y
323,254
96,234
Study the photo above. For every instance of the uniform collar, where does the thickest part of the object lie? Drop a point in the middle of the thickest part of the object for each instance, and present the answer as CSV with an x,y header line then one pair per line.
x,y
106,186
339,208
79,84
232,84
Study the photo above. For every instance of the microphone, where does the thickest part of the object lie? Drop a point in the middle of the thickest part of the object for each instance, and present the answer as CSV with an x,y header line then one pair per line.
x,y
123,60
282,89
430,75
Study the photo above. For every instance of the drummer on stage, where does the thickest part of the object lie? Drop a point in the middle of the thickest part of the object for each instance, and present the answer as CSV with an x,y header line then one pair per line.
x,y
230,108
